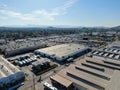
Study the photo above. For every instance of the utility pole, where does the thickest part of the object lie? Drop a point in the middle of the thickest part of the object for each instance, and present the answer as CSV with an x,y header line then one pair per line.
x,y
33,82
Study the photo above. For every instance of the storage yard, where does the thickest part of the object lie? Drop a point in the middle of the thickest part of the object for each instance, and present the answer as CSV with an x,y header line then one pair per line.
x,y
59,44
111,53
32,63
61,66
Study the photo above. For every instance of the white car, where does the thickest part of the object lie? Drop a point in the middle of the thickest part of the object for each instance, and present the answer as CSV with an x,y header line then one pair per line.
x,y
49,86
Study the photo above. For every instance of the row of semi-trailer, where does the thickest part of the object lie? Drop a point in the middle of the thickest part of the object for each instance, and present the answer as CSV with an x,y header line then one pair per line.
x,y
25,61
107,54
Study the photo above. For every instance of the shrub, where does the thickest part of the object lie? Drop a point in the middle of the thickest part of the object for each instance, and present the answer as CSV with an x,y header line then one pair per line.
x,y
48,69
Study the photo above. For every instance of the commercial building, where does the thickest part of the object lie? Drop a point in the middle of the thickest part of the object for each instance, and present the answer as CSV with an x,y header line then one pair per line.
x,y
115,44
11,80
16,51
63,52
2,42
89,74
91,43
9,75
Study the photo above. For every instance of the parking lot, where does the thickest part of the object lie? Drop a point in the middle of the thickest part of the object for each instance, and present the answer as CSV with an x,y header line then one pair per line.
x,y
25,63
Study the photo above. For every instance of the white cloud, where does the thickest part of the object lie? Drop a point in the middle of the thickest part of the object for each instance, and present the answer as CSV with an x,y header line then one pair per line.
x,y
61,10
45,14
65,6
37,14
17,15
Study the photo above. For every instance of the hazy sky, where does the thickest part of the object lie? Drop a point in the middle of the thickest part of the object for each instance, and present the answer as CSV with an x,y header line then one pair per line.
x,y
60,12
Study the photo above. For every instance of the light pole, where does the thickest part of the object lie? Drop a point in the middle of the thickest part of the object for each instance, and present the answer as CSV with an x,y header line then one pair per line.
x,y
33,82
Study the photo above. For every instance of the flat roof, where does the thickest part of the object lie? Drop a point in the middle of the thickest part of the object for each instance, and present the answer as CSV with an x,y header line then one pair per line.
x,y
63,73
61,80
114,44
61,50
8,68
114,84
89,77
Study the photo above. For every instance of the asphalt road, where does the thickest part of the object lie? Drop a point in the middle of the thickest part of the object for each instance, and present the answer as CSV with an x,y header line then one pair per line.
x,y
32,80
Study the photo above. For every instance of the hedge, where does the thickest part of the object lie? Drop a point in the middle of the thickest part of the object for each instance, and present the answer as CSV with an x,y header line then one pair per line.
x,y
45,70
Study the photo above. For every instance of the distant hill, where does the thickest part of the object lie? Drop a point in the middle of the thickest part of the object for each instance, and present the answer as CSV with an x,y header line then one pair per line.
x,y
27,28
116,27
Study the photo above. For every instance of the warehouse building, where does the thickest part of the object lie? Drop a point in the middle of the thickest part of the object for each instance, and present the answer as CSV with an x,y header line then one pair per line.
x,y
9,75
63,52
89,74
2,42
16,51
115,44
11,80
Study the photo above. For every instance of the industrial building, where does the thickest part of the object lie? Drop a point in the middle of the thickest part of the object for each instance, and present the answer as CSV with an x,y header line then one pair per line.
x,y
11,80
16,51
91,43
115,44
2,42
9,75
63,52
89,74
